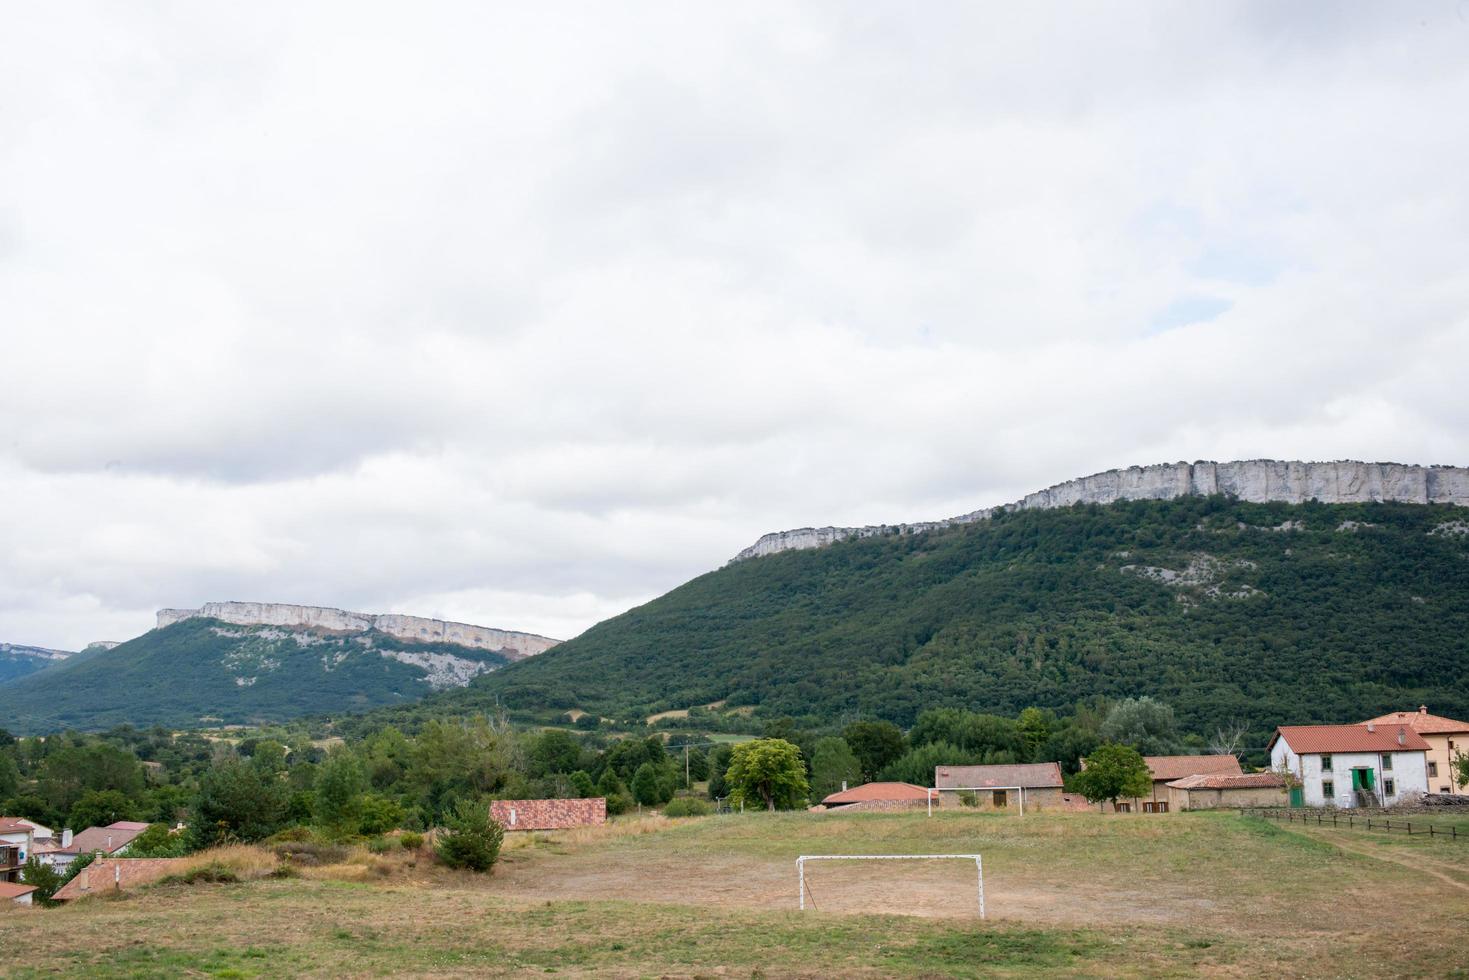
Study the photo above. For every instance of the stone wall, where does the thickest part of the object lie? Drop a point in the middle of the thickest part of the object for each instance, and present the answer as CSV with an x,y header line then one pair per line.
x,y
1255,480
515,645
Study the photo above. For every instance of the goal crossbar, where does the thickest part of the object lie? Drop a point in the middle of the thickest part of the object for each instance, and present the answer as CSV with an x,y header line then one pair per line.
x,y
801,867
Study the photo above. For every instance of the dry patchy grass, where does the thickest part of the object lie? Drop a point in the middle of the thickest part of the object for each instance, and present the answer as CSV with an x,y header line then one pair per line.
x,y
1069,895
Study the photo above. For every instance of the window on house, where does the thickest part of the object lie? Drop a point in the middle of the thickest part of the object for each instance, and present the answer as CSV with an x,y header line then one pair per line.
x,y
1433,769
1124,808
1387,762
1326,763
1387,787
1328,790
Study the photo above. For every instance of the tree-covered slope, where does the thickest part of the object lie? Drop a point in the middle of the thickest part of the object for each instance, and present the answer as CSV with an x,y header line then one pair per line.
x,y
202,671
1267,613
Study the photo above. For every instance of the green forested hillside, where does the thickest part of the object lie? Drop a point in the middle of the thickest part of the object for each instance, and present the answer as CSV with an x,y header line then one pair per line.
x,y
1259,612
203,671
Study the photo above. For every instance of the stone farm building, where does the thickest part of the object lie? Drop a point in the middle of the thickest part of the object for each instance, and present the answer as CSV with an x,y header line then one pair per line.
x,y
1209,792
1168,768
1351,765
1445,737
879,796
1001,787
549,814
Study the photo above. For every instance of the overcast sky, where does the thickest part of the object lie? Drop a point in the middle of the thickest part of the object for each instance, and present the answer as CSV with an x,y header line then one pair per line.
x,y
524,316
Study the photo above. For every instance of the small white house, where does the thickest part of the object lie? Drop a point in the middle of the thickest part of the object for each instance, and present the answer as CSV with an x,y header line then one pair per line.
x,y
1351,765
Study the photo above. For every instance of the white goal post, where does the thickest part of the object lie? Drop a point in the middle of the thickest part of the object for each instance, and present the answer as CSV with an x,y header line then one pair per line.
x,y
801,867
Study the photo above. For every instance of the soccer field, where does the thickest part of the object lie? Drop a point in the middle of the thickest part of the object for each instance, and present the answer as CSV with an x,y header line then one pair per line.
x,y
1076,894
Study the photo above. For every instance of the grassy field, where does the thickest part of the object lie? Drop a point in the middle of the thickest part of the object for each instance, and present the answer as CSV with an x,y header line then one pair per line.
x,y
1068,895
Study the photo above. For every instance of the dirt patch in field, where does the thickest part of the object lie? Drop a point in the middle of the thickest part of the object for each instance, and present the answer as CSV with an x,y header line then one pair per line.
x,y
922,888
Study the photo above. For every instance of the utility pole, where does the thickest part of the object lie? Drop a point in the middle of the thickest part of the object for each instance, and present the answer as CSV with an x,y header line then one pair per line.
x,y
686,783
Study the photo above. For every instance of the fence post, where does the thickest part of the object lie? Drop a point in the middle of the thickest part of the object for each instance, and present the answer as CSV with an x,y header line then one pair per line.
x,y
1410,828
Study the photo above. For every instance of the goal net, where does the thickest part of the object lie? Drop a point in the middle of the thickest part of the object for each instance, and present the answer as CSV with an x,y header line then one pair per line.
x,y
889,890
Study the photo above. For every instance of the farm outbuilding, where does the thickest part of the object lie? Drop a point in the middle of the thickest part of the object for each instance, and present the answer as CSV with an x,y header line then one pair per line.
x,y
549,814
879,796
1210,792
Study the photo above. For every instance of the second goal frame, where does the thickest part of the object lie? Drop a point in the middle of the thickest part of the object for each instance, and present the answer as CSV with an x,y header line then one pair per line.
x,y
977,859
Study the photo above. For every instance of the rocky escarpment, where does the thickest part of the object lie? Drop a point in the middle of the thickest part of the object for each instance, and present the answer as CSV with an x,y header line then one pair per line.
x,y
514,645
39,653
1254,480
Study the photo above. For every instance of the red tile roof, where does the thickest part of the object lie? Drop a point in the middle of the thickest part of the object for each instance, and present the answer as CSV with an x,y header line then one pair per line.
x,y
107,874
14,825
1166,767
1315,739
1250,780
110,839
878,791
1038,775
1421,722
549,814
12,890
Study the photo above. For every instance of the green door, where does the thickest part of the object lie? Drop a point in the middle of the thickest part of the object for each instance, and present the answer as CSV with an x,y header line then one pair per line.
x,y
1369,778
1356,780
1296,798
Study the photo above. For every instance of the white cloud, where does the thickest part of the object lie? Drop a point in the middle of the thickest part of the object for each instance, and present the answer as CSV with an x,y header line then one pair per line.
x,y
521,317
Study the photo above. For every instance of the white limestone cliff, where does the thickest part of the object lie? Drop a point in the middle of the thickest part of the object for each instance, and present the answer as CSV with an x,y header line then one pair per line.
x,y
1254,480
517,646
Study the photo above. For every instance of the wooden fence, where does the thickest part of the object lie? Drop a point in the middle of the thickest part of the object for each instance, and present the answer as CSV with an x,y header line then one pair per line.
x,y
1350,821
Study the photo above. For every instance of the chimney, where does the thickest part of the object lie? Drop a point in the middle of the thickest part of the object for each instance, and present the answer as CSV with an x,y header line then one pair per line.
x,y
844,785
86,877
1423,709
65,839
1402,736
1371,726
109,843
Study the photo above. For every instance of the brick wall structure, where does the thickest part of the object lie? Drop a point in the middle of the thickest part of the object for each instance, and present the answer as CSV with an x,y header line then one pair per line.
x,y
549,814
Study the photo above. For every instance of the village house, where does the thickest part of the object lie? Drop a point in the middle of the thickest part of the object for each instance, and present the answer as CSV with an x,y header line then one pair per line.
x,y
16,838
110,841
549,814
15,893
1446,738
1029,786
1351,765
1168,768
1209,792
879,796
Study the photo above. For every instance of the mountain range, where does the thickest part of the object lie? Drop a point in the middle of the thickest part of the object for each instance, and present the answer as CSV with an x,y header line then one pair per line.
x,y
1259,591
248,662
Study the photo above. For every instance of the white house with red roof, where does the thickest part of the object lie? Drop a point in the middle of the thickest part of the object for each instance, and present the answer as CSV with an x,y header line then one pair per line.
x,y
16,839
109,841
1351,765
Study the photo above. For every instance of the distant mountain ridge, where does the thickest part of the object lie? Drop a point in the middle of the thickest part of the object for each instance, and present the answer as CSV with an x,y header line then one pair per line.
x,y
1252,480
514,645
250,662
17,660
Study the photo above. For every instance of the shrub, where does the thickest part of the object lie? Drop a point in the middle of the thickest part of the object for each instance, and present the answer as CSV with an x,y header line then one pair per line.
x,y
379,845
213,873
379,815
292,834
471,838
411,841
311,852
688,806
